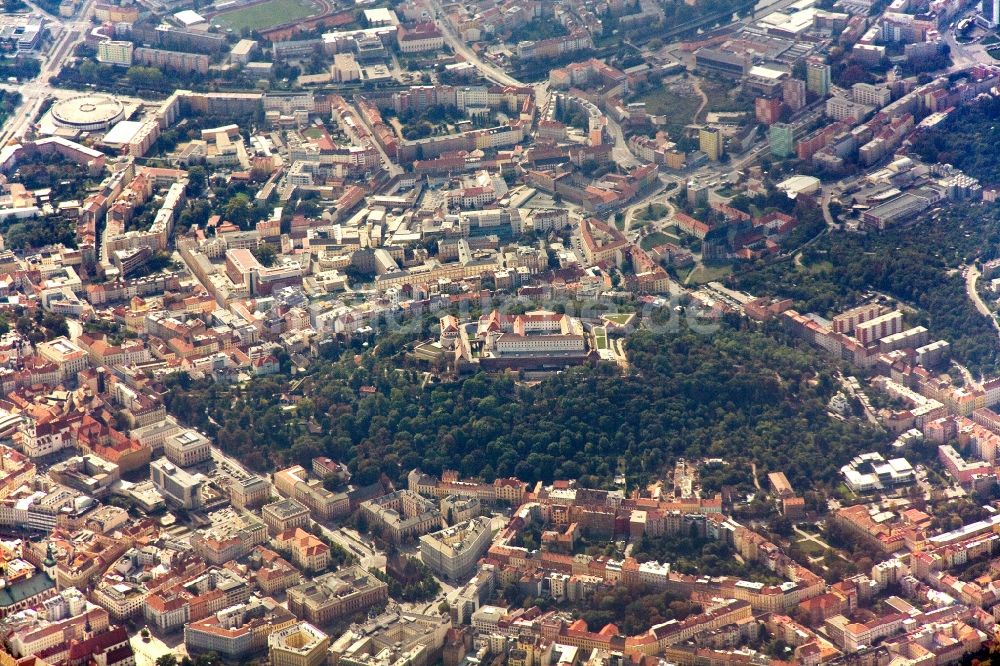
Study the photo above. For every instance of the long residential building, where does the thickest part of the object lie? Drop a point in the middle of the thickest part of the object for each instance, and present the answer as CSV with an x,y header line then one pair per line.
x,y
239,632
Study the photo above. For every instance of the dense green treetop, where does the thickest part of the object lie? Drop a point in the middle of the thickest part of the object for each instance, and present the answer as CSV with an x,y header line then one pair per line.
x,y
733,394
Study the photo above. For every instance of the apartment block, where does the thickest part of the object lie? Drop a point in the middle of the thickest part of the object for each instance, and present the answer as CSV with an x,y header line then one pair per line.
x,y
846,321
232,535
115,52
402,515
793,93
295,482
872,331
841,108
274,574
176,60
307,551
711,142
177,602
240,632
781,138
454,552
871,95
817,76
298,645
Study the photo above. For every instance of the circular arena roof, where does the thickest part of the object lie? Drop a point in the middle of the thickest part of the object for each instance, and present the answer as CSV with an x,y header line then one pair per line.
x,y
88,112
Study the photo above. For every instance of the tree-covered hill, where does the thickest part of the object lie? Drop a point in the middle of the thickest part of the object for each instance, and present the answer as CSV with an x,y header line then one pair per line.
x,y
966,139
737,395
919,265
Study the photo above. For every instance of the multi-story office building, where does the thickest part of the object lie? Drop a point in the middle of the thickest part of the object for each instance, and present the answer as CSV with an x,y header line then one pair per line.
x,y
186,448
336,595
66,355
176,485
248,491
781,138
284,515
818,76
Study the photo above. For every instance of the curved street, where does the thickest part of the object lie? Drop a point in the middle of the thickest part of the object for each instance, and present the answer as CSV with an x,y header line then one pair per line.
x,y
971,280
621,152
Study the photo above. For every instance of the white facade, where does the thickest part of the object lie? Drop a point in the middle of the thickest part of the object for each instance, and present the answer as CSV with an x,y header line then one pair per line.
x,y
186,448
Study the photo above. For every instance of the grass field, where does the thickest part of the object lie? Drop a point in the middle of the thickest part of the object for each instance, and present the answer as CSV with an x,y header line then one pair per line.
x,y
811,548
819,267
673,233
601,337
653,211
678,108
620,318
654,239
265,14
702,274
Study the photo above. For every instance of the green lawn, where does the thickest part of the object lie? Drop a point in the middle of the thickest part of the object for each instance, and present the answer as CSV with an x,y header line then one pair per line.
x,y
654,239
653,211
845,493
811,548
621,318
266,14
600,337
820,267
703,274
673,233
